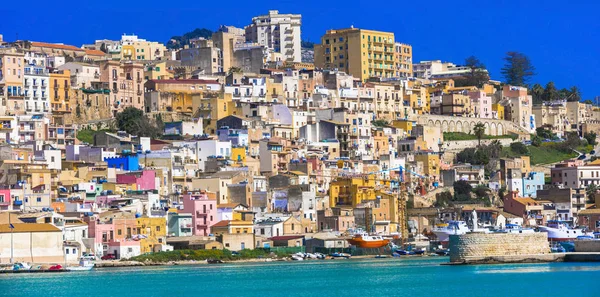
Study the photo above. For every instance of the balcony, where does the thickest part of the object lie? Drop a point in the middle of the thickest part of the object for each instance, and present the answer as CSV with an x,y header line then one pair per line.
x,y
43,86
56,87
139,80
18,202
139,92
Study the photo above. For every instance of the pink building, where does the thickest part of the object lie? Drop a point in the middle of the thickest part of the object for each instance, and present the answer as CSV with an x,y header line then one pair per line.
x,y
514,91
116,230
144,179
482,104
5,199
203,210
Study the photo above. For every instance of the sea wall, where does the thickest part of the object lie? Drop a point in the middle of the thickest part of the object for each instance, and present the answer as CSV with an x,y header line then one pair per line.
x,y
499,248
587,246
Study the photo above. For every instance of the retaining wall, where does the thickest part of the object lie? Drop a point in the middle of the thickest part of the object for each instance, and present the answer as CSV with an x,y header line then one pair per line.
x,y
587,246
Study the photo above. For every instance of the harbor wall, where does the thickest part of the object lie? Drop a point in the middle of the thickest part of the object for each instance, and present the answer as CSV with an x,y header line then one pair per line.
x,y
499,248
587,246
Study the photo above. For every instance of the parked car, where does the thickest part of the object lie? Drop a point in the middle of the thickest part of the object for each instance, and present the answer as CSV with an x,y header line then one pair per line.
x,y
582,157
108,257
593,152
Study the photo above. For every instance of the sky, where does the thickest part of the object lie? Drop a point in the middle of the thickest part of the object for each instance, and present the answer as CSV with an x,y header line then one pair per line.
x,y
562,39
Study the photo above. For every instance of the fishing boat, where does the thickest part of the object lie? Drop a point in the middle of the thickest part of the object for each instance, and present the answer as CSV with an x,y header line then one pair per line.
x,y
443,231
86,263
368,241
560,231
341,255
514,228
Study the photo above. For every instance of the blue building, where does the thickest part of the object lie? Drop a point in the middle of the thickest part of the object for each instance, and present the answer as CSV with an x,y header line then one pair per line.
x,y
125,162
532,183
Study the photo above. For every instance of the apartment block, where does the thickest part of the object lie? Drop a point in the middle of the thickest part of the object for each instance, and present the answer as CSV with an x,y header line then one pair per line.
x,y
279,32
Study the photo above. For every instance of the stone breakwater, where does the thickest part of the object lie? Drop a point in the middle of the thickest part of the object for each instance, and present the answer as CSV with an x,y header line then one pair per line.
x,y
478,248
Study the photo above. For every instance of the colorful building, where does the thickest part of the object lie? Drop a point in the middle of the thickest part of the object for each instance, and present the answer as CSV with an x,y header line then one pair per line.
x,y
203,209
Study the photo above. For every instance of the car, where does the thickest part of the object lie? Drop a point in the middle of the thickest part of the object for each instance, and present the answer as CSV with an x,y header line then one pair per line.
x,y
593,152
108,257
582,157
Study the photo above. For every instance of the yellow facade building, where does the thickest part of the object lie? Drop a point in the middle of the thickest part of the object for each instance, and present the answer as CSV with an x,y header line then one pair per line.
x,y
430,161
351,191
498,111
238,154
363,53
155,230
60,83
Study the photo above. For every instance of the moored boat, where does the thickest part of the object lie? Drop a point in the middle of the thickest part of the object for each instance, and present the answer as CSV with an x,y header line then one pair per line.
x,y
86,263
560,231
368,241
443,231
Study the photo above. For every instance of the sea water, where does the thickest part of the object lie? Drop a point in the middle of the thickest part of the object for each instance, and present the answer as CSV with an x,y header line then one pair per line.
x,y
354,277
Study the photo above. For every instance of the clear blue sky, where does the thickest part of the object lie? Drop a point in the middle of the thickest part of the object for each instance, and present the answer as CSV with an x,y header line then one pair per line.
x,y
562,39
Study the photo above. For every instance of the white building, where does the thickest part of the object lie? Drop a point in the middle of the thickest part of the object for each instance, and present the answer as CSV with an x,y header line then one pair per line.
x,y
35,83
82,74
280,32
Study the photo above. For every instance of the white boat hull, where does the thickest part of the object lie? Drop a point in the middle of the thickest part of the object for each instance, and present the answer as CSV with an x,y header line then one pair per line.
x,y
80,268
555,234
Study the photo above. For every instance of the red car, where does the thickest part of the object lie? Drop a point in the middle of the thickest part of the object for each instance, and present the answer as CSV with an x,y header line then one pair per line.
x,y
108,257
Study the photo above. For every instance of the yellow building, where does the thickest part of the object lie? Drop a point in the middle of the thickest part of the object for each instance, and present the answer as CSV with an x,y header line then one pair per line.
x,y
157,71
498,111
407,126
60,83
363,53
238,154
232,227
351,191
430,161
213,108
155,230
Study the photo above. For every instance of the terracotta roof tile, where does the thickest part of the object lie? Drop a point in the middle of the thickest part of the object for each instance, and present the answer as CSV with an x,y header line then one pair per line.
x,y
56,46
25,227
95,52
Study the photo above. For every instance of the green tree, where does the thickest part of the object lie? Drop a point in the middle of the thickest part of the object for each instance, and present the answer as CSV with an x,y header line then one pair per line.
x,y
519,148
479,130
591,192
134,122
462,190
180,41
379,123
590,137
477,74
574,94
536,141
537,93
588,101
517,69
550,92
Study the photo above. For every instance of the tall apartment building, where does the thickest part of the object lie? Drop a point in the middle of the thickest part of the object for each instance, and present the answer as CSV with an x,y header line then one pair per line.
x,y
11,81
279,32
518,108
364,53
126,82
35,86
403,60
60,83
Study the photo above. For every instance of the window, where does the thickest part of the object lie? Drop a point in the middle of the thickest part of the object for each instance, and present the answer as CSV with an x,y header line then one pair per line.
x,y
67,251
39,199
157,228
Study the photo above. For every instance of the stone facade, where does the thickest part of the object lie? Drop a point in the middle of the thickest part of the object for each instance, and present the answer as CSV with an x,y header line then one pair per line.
x,y
477,247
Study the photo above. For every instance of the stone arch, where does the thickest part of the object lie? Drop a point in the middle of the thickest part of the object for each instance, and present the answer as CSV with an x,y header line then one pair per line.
x,y
493,130
466,127
459,126
430,123
438,124
445,126
452,126
500,129
487,128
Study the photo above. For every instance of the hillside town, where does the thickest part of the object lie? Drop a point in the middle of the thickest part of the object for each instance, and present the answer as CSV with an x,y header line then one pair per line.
x,y
247,139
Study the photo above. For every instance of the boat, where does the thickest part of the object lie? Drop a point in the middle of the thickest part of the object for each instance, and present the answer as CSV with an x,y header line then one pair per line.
x,y
443,231
364,240
86,263
320,256
21,266
517,229
298,257
214,261
560,231
341,255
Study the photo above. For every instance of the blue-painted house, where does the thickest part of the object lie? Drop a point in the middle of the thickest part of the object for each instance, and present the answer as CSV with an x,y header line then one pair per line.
x,y
532,183
124,162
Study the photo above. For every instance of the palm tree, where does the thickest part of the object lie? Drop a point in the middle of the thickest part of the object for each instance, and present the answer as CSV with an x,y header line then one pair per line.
x,y
479,130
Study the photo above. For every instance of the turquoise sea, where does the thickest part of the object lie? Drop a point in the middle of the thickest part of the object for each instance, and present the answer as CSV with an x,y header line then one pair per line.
x,y
356,277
